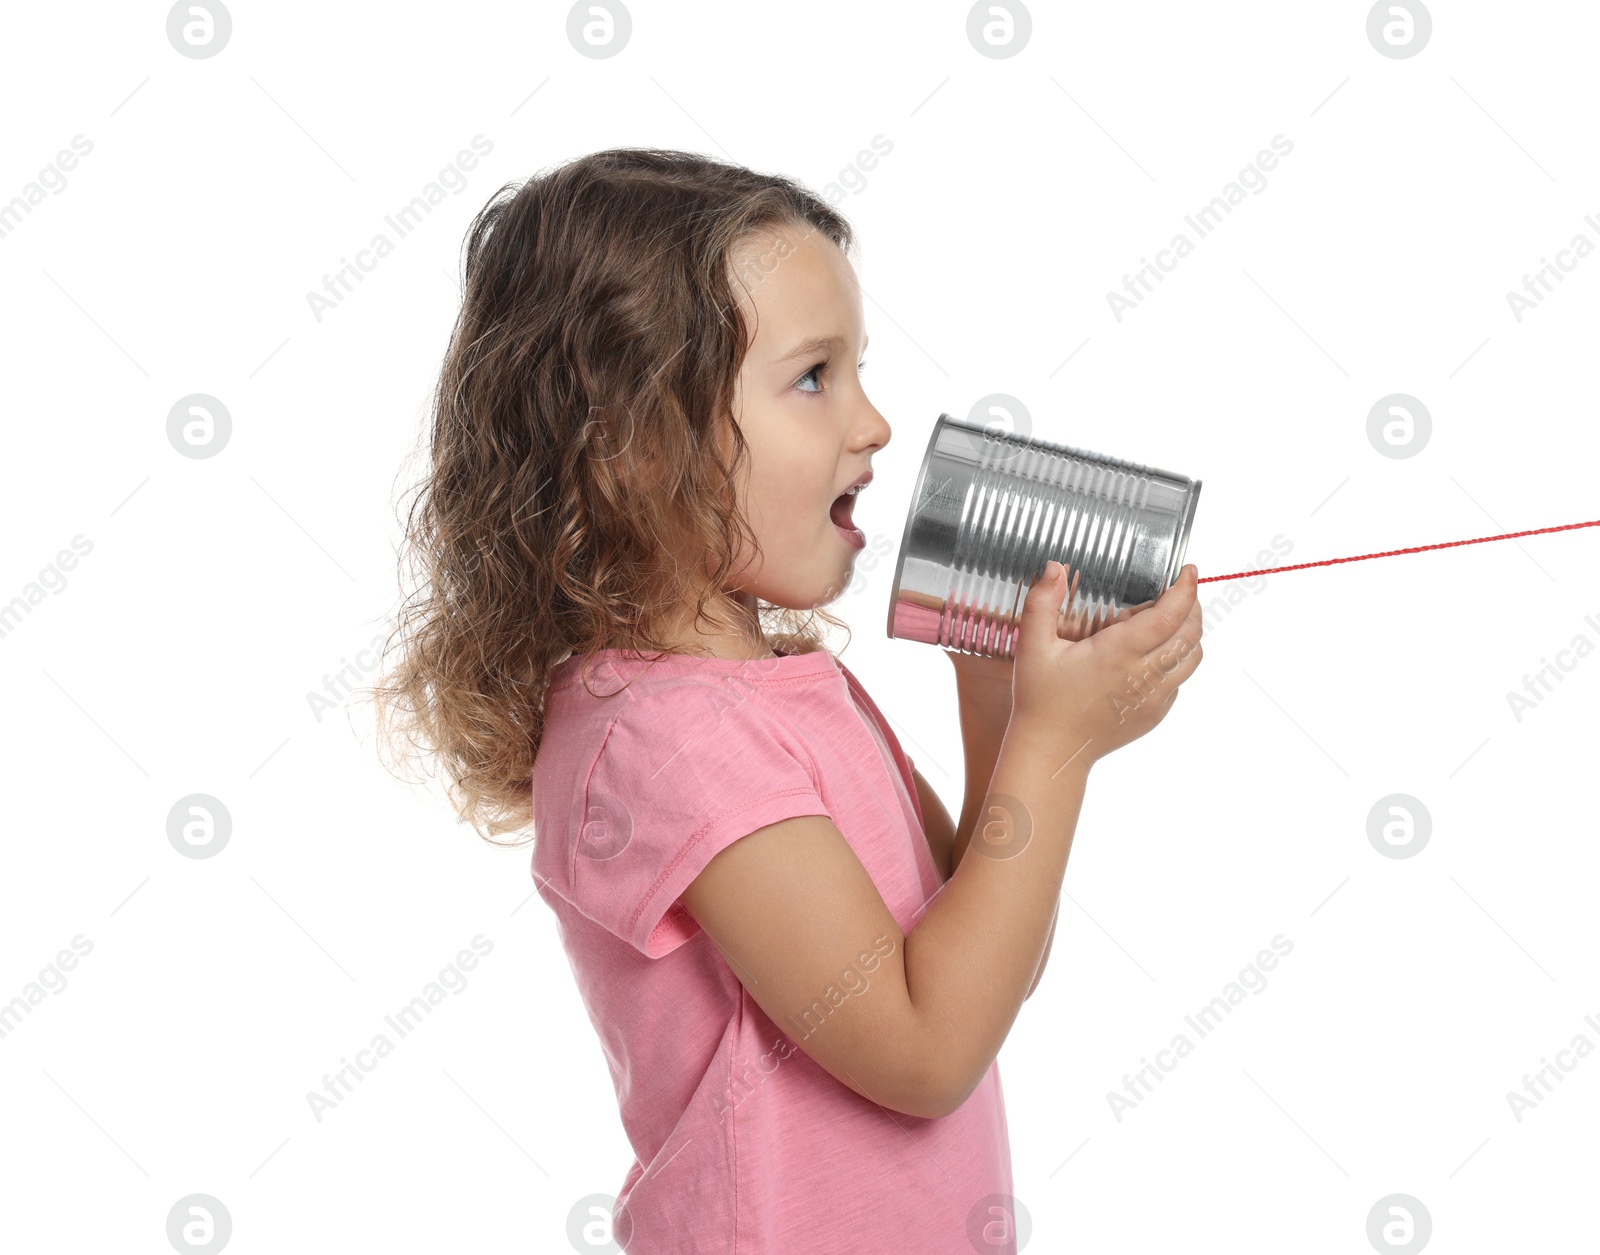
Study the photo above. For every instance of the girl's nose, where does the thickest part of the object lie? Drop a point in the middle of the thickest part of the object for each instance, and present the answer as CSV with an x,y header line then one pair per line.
x,y
878,429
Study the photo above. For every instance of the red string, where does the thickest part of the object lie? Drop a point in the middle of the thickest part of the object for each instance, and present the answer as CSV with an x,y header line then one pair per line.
x,y
1389,553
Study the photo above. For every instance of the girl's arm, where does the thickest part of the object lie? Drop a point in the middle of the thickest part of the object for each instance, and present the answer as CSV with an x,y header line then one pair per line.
x,y
913,1021
1045,957
983,693
909,1021
941,834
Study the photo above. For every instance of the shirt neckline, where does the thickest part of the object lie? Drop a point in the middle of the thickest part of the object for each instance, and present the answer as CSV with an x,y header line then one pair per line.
x,y
629,662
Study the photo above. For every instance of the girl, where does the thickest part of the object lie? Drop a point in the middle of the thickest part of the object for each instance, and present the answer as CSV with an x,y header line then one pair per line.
x,y
647,439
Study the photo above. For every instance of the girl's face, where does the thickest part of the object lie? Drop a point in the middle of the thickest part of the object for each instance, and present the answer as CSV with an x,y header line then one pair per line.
x,y
799,402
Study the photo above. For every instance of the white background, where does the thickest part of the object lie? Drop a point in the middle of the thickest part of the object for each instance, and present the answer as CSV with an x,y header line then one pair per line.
x,y
218,593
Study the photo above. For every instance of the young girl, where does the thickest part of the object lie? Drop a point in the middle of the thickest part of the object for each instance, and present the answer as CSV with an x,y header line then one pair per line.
x,y
647,437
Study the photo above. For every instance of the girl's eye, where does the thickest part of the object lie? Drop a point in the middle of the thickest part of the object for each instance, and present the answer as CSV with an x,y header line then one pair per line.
x,y
820,366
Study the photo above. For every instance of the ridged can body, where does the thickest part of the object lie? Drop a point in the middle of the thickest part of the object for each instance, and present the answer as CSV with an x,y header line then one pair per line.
x,y
990,508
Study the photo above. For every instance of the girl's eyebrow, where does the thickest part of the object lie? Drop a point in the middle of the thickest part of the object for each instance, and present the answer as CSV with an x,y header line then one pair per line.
x,y
817,344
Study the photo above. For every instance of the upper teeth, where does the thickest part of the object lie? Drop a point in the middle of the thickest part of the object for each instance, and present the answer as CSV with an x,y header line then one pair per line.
x,y
850,492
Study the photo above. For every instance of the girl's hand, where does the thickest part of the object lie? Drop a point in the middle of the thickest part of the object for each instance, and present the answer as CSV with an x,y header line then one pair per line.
x,y
988,677
1112,687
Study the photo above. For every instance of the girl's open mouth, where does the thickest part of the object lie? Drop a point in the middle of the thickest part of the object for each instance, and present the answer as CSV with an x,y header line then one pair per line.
x,y
839,512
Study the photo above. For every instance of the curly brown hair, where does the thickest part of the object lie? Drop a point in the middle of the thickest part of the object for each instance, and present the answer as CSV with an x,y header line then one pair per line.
x,y
579,429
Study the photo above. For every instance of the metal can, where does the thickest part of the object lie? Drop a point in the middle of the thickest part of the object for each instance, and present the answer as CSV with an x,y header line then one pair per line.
x,y
991,507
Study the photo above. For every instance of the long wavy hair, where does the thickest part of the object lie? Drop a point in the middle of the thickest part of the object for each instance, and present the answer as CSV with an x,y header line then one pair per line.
x,y
581,424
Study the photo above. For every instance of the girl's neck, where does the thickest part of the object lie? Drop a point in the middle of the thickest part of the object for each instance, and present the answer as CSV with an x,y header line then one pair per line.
x,y
724,639
731,648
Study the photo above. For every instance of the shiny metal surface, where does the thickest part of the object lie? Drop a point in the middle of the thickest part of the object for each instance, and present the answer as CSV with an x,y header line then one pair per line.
x,y
990,508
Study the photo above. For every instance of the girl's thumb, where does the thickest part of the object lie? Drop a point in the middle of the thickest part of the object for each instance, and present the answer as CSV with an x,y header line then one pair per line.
x,y
1041,609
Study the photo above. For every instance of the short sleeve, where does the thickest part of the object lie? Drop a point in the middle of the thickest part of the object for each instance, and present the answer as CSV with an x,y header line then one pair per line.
x,y
686,768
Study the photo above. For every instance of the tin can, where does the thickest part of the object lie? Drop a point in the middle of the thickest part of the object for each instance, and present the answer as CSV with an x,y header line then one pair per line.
x,y
991,507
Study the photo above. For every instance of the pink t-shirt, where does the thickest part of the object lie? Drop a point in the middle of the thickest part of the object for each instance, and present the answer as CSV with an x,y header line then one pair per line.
x,y
743,1144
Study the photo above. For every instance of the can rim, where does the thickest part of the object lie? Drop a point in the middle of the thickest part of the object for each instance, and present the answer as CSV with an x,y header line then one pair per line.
x,y
939,425
1182,545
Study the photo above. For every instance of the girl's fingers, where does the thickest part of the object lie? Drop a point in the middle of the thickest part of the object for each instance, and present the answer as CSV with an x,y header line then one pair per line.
x,y
1190,629
1127,612
1184,643
1181,655
1145,632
